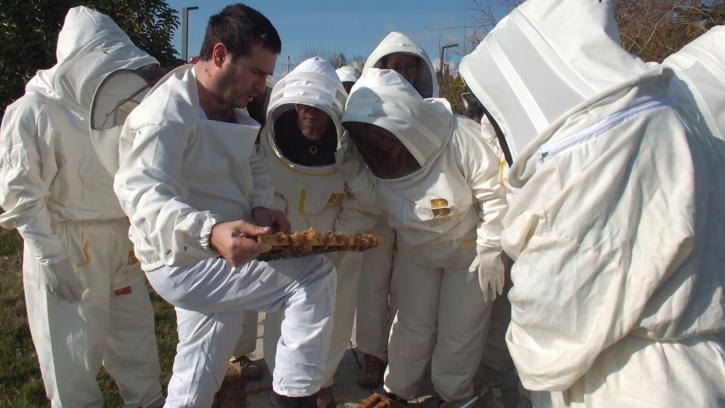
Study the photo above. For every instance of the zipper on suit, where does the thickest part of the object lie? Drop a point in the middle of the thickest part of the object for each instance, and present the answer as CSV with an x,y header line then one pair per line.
x,y
549,150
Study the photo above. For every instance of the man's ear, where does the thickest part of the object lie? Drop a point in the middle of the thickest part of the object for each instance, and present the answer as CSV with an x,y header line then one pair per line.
x,y
218,54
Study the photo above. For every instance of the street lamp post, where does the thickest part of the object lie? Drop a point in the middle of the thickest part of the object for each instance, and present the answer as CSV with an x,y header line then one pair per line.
x,y
443,50
185,32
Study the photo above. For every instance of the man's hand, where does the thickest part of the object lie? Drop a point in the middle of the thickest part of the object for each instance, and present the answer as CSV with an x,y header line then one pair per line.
x,y
271,218
236,241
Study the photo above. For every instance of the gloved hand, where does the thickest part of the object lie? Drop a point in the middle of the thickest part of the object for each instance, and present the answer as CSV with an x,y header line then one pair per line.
x,y
490,270
347,159
60,280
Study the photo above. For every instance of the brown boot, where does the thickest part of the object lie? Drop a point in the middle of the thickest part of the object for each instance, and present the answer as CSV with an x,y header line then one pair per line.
x,y
372,372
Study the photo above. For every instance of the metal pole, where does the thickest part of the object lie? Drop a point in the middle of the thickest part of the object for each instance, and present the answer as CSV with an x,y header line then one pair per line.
x,y
440,62
443,50
185,32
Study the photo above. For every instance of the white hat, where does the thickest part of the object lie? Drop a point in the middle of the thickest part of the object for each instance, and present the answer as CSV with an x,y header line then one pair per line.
x,y
348,73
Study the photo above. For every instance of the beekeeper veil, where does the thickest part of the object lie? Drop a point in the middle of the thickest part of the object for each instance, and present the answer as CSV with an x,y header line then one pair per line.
x,y
426,81
312,83
421,127
106,75
528,71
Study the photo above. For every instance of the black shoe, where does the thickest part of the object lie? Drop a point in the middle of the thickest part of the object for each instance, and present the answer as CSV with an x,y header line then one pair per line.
x,y
283,401
395,398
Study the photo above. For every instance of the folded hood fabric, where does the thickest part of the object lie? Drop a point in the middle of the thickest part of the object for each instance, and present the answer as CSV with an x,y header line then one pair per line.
x,y
383,98
90,46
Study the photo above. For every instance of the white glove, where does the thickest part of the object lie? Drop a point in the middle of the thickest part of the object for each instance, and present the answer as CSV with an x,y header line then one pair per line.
x,y
348,159
490,270
60,280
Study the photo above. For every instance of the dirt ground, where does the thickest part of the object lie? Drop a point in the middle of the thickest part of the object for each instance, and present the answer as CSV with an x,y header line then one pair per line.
x,y
496,389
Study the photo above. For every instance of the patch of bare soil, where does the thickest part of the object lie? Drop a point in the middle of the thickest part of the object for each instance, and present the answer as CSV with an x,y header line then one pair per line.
x,y
231,394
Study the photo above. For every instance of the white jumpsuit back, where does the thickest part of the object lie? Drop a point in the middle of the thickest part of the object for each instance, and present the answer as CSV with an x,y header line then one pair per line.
x,y
616,220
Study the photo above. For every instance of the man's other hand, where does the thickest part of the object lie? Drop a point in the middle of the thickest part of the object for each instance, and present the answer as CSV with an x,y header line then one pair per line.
x,y
236,241
267,217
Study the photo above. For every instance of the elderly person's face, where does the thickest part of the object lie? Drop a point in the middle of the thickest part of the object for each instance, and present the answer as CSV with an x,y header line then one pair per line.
x,y
312,122
404,64
386,156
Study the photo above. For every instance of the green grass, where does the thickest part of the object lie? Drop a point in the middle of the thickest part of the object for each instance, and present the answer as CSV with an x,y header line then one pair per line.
x,y
20,381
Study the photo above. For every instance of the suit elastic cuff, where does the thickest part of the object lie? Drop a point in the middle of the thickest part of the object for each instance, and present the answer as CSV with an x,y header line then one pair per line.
x,y
205,233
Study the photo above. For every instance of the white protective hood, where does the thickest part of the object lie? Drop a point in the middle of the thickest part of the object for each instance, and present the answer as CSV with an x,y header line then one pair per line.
x,y
348,73
314,83
701,66
382,97
90,46
527,72
427,82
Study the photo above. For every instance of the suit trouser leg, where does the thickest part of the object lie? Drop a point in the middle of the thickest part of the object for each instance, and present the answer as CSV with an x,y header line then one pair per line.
x,y
209,297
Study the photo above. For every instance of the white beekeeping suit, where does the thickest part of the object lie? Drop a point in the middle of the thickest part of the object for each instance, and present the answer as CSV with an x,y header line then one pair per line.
x,y
86,299
181,174
701,67
617,221
314,196
446,214
377,304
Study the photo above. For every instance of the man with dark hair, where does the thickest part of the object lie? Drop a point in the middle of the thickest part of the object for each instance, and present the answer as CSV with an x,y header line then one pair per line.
x,y
239,28
198,196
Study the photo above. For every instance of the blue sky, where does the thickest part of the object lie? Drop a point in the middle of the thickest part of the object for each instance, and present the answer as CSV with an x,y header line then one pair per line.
x,y
354,28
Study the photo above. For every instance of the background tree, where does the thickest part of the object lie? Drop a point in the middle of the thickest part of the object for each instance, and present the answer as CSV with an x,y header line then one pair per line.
x,y
650,29
339,59
29,29
336,59
654,29
451,87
